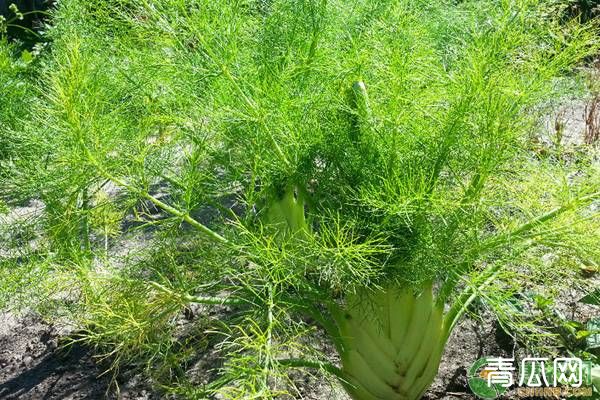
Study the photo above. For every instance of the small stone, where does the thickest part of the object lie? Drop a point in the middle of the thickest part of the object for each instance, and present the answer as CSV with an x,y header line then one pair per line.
x,y
27,361
549,258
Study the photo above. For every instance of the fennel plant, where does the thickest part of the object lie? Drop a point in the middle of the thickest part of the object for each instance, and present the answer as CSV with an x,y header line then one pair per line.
x,y
360,168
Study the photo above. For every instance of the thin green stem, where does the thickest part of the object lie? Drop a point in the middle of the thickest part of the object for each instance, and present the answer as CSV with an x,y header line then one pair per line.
x,y
171,210
269,339
535,222
518,233
321,365
468,295
187,298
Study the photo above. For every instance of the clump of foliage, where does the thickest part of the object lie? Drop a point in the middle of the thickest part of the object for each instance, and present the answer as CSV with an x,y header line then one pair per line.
x,y
16,93
359,168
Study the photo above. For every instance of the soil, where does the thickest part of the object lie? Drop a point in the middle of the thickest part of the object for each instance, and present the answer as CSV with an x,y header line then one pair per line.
x,y
34,364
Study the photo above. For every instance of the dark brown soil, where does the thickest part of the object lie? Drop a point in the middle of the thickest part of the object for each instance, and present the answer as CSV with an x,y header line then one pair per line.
x,y
34,364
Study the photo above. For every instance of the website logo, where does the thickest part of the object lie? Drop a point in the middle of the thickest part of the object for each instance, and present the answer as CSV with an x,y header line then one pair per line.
x,y
491,377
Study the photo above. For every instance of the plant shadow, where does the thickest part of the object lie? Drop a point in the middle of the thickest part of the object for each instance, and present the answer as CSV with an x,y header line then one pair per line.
x,y
57,375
